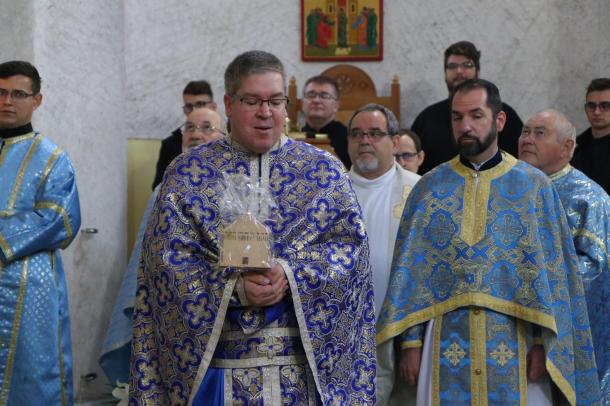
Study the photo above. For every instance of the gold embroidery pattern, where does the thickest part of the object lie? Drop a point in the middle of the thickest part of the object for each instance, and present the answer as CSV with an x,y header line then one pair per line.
x,y
8,371
21,173
454,354
502,354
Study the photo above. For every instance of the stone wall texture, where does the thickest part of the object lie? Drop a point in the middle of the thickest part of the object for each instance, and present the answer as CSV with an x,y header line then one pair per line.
x,y
115,69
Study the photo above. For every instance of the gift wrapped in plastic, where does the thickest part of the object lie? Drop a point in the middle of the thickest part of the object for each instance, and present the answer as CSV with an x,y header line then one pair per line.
x,y
246,207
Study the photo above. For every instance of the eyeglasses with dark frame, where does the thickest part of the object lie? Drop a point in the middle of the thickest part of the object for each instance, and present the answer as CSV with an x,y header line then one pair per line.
x,y
254,103
322,95
188,107
15,94
463,65
603,106
373,134
405,156
204,128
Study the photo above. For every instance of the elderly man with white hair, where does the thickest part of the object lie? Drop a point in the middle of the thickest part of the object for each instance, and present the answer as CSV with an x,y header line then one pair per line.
x,y
547,142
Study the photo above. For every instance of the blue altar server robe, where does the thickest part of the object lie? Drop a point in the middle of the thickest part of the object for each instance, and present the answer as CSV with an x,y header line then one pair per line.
x,y
587,207
39,214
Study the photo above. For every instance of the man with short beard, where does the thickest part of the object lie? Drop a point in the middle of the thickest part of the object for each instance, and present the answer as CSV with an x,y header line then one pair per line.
x,y
484,293
382,187
433,124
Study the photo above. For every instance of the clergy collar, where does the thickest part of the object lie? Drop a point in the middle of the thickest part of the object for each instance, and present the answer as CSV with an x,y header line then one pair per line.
x,y
238,147
561,173
14,132
490,163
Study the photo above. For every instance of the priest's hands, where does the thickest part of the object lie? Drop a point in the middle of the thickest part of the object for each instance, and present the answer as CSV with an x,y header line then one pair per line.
x,y
410,360
536,362
265,288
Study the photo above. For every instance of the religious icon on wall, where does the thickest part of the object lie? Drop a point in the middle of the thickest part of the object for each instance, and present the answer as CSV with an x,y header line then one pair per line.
x,y
342,30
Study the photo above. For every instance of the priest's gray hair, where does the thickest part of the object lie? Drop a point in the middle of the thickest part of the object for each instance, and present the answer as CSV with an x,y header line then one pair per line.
x,y
564,129
249,63
390,117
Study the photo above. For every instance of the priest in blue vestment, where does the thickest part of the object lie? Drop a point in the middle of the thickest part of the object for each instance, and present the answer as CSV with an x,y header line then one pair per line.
x,y
39,214
484,289
301,332
547,142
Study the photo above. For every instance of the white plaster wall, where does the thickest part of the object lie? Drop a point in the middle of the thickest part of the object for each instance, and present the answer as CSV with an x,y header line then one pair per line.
x,y
540,53
116,69
16,22
78,49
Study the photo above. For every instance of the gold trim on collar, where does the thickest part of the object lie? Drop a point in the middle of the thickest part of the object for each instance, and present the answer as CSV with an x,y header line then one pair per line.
x,y
22,168
561,173
13,140
477,185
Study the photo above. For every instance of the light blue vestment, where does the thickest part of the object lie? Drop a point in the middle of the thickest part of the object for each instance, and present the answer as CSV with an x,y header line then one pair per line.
x,y
587,206
489,256
39,214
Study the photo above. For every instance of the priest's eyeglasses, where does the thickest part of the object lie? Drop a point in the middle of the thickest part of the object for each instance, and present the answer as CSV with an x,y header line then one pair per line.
x,y
405,156
322,95
604,106
16,94
204,128
373,134
254,103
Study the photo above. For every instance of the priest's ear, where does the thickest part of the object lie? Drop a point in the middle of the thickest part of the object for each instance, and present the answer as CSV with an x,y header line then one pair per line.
x,y
500,120
567,149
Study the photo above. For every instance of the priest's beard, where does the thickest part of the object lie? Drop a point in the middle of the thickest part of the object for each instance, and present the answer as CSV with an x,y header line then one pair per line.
x,y
477,146
367,166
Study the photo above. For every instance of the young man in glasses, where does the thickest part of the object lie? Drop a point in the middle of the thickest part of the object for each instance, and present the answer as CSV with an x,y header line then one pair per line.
x,y
196,94
592,155
320,104
39,214
299,332
433,124
410,155
382,187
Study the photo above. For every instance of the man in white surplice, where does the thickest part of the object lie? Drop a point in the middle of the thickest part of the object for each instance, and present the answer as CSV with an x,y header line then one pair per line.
x,y
382,187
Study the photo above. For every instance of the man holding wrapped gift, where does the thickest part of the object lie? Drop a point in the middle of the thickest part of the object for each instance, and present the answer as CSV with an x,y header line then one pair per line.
x,y
301,332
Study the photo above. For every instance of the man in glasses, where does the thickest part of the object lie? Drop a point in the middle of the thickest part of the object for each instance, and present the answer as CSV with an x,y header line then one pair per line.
x,y
196,94
202,126
301,331
547,142
382,187
410,154
433,124
484,294
320,104
592,155
39,214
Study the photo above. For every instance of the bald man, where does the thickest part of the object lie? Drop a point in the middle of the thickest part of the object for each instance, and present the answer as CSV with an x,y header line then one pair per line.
x,y
547,142
202,126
